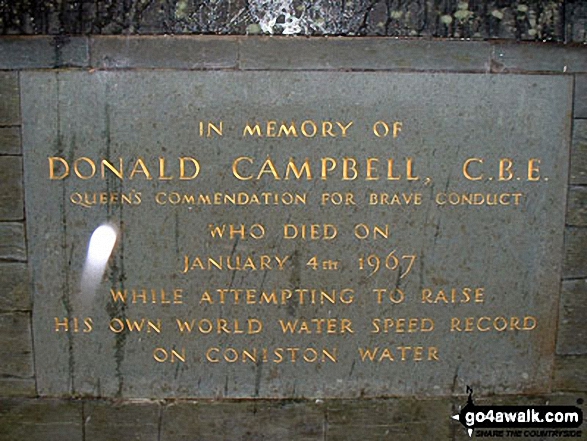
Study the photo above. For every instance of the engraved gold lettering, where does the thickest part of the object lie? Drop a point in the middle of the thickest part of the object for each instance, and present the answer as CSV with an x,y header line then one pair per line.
x,y
53,160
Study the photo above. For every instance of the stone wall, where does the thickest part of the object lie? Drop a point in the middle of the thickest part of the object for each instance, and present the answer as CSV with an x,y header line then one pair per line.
x,y
25,415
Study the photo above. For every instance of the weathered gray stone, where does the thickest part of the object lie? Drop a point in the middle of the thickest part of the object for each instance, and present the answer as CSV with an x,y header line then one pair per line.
x,y
118,52
579,153
43,52
106,421
447,118
40,420
510,57
16,351
376,54
216,421
572,330
9,98
580,107
570,373
12,195
577,207
10,141
575,265
12,243
393,419
14,287
17,387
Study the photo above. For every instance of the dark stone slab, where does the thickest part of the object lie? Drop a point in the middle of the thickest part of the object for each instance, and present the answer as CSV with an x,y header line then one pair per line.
x,y
393,419
580,107
151,114
12,195
363,54
10,141
43,52
577,207
16,345
575,265
106,421
570,373
258,420
9,99
579,153
40,420
510,57
17,387
572,330
164,52
14,287
12,242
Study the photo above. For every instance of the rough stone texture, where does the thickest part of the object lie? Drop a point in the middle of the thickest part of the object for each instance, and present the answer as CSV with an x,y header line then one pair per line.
x,y
106,421
10,141
43,52
16,351
120,114
580,107
577,207
575,265
9,99
164,52
570,373
345,53
260,420
17,387
40,420
539,20
572,331
12,195
12,242
14,287
392,419
511,57
579,153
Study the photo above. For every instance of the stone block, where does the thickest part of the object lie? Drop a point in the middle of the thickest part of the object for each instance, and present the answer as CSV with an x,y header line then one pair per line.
x,y
512,57
572,329
121,52
570,373
10,141
9,98
575,264
16,350
40,420
580,107
12,194
393,419
578,170
362,54
577,207
43,52
12,242
107,420
243,420
14,287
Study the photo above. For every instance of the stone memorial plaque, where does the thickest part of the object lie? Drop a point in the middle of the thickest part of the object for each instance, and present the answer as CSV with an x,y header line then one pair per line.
x,y
295,234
